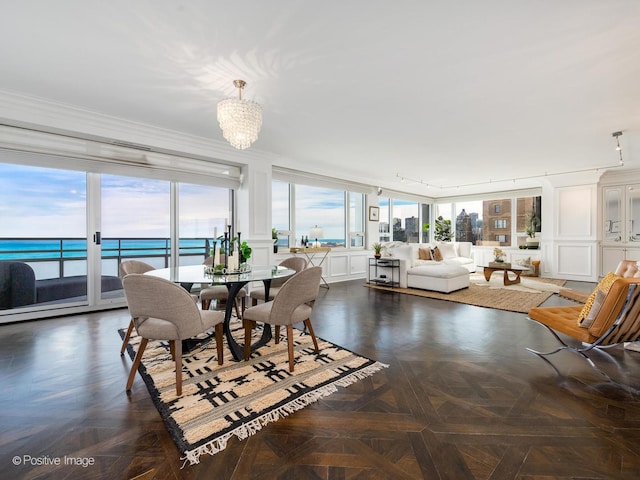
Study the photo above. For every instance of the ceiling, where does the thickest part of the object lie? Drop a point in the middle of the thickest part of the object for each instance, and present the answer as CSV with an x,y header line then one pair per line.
x,y
444,93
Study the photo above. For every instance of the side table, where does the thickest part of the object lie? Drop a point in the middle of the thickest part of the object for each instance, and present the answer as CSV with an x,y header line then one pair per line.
x,y
384,271
311,253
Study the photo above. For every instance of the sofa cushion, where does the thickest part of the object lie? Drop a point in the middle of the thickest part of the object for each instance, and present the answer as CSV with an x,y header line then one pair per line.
x,y
447,249
424,253
403,252
458,261
436,254
439,270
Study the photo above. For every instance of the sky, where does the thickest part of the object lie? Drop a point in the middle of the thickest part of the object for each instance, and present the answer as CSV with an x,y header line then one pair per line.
x,y
45,202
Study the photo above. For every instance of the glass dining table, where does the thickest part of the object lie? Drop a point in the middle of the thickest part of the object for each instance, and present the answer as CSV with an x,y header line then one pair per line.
x,y
189,275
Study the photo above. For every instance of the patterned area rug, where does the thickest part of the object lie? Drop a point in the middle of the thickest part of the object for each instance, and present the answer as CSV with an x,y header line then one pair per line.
x,y
239,398
532,292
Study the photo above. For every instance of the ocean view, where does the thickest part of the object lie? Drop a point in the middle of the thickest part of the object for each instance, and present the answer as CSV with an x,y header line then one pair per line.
x,y
50,248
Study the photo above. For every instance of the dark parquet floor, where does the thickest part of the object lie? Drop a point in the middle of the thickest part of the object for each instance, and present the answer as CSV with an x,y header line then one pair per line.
x,y
462,399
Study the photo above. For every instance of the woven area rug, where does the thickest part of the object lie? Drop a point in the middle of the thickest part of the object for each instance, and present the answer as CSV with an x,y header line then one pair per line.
x,y
239,398
531,292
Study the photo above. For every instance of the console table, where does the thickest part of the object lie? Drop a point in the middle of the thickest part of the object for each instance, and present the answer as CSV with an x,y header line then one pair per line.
x,y
388,266
311,253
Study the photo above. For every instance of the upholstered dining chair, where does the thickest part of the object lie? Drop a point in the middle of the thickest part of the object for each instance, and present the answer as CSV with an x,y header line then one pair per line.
x,y
220,293
294,263
163,310
125,268
293,304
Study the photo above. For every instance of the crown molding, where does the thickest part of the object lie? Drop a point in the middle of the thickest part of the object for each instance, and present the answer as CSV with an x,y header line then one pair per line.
x,y
52,117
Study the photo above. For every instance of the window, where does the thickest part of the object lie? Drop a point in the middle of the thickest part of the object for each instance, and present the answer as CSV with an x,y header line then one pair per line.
x,y
383,224
322,207
356,219
297,208
203,213
280,211
403,220
500,223
490,221
468,221
497,218
133,215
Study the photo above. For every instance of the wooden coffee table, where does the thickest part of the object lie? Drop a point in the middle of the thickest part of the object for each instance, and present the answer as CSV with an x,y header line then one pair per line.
x,y
515,269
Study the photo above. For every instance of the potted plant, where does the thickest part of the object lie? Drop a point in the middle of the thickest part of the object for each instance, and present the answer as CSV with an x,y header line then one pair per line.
x,y
245,252
443,231
377,249
274,237
533,222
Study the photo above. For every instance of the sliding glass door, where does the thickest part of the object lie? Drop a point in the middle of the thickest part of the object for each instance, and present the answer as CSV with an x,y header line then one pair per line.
x,y
135,225
64,233
43,238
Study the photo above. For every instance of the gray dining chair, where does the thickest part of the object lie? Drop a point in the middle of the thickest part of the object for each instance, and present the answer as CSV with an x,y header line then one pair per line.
x,y
292,305
163,310
220,293
127,267
294,263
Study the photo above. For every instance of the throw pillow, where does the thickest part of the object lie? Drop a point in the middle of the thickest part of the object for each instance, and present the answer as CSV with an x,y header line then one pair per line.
x,y
436,255
424,254
595,308
448,250
405,252
604,285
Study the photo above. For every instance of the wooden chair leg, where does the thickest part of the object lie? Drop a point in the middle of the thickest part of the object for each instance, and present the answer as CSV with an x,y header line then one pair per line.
x,y
248,326
290,346
235,304
219,333
172,349
177,348
307,323
277,333
127,336
136,362
254,302
205,304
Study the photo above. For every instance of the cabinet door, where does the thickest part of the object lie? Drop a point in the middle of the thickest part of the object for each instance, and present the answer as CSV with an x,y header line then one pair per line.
x,y
611,257
612,211
633,213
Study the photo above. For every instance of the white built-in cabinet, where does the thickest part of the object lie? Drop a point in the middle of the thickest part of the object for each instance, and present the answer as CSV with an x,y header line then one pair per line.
x,y
620,225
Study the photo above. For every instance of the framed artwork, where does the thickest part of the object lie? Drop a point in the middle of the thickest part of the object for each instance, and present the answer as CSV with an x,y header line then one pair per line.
x,y
374,213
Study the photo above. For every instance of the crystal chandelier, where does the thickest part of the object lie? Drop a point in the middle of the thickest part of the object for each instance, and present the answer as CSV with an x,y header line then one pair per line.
x,y
240,120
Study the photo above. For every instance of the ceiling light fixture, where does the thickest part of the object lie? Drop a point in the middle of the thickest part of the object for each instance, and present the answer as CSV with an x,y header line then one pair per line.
x,y
240,120
618,148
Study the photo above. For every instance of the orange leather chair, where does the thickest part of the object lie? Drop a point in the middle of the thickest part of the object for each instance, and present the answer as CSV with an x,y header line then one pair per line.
x,y
616,320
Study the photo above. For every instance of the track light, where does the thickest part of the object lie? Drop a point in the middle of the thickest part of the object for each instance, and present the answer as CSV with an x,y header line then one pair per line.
x,y
618,147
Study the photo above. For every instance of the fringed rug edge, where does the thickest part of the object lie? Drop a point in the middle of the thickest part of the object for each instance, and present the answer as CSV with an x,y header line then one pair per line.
x,y
246,429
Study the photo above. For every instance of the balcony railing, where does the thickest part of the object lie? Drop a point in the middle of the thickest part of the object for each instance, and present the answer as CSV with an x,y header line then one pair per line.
x,y
60,257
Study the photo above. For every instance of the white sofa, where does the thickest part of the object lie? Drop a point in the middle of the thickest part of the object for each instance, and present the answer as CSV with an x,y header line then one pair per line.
x,y
449,274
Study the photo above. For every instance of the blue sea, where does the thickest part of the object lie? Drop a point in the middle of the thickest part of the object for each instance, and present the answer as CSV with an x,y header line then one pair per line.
x,y
48,248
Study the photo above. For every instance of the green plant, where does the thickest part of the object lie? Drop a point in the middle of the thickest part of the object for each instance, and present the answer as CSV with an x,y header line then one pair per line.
x,y
245,249
274,235
377,248
443,231
533,222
